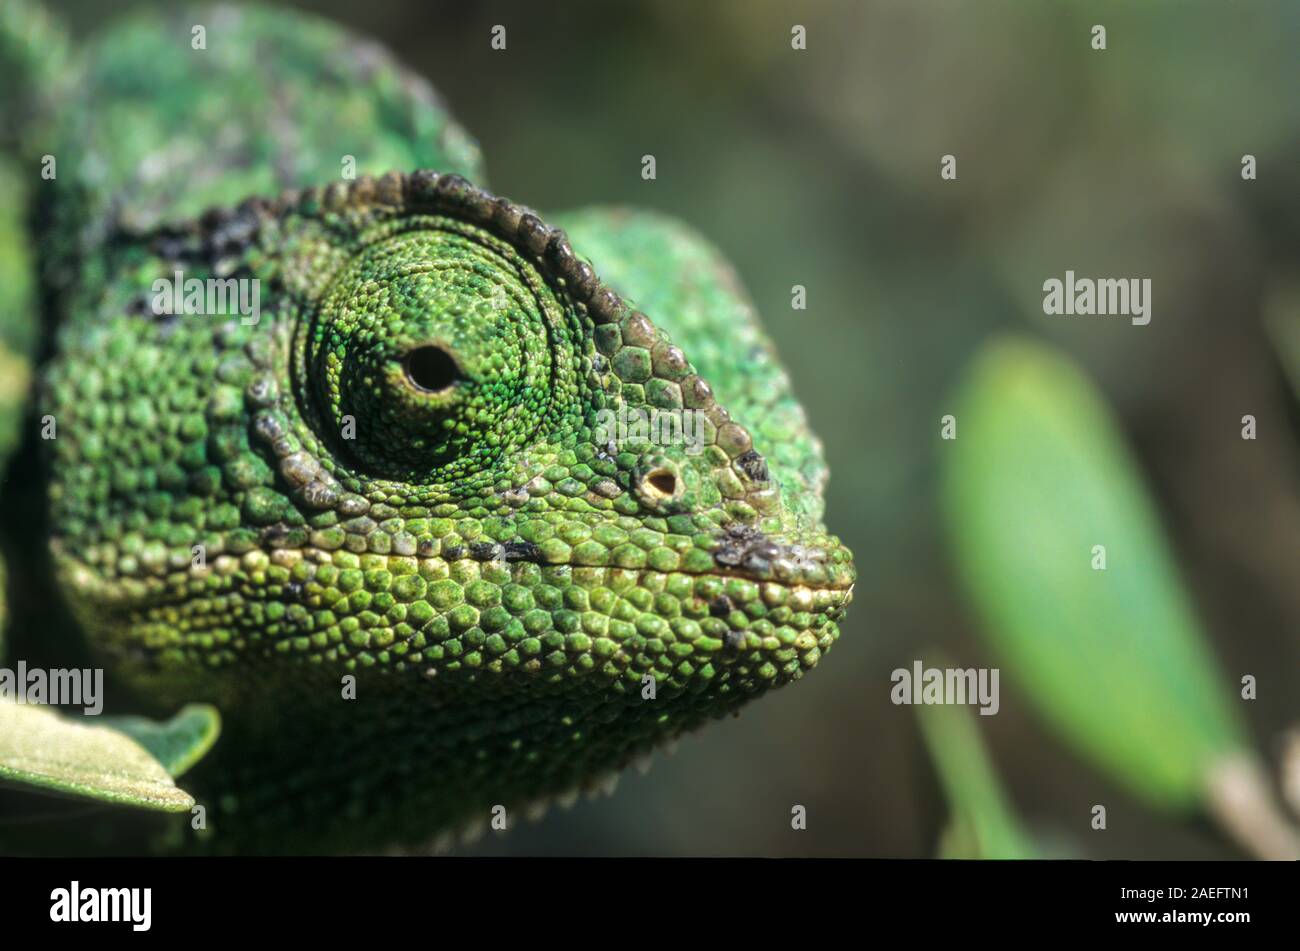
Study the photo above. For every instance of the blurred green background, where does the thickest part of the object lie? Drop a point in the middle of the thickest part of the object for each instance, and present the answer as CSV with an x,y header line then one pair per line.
x,y
821,168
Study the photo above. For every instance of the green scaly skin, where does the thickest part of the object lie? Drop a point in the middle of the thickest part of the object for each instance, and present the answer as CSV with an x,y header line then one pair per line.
x,y
501,582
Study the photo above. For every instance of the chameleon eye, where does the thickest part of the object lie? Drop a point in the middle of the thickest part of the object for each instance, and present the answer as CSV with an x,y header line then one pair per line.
x,y
434,352
431,369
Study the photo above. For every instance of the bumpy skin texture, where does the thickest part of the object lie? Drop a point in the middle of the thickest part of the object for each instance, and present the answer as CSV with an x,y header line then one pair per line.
x,y
397,473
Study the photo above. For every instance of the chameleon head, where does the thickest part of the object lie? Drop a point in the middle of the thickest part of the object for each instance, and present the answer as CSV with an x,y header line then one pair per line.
x,y
467,520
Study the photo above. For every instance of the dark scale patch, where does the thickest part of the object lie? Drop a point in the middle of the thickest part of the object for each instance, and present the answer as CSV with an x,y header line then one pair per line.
x,y
747,548
509,551
173,246
522,551
220,234
720,606
753,465
275,535
140,305
235,234
735,639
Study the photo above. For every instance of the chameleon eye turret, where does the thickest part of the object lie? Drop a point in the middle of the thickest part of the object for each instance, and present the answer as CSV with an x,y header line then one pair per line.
x,y
429,299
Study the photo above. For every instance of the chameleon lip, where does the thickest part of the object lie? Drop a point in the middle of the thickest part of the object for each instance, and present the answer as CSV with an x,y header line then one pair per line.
x,y
747,563
742,552
85,576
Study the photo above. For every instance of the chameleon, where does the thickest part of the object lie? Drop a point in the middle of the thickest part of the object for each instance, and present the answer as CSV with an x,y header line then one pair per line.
x,y
397,539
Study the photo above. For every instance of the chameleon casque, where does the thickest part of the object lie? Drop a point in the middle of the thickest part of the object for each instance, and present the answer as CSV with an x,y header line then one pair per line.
x,y
397,473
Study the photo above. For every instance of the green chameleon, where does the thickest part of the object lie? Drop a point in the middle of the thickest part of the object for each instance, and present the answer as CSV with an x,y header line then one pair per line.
x,y
442,522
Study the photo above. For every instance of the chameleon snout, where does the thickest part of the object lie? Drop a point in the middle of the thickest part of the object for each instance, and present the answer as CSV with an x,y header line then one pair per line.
x,y
781,596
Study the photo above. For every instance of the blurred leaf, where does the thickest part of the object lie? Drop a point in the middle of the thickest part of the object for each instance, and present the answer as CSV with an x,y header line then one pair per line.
x,y
983,825
178,743
39,748
1113,658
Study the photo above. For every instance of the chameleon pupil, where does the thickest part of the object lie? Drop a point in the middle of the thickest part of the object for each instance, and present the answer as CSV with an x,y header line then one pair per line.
x,y
431,369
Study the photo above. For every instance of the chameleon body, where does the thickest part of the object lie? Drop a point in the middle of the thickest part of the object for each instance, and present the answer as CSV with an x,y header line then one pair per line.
x,y
385,528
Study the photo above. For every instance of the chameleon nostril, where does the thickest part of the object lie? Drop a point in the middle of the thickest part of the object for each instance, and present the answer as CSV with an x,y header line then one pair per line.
x,y
660,483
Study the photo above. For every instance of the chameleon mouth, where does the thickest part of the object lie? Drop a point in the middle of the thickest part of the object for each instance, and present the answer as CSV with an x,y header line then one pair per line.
x,y
729,635
740,586
751,576
741,555
740,552
787,565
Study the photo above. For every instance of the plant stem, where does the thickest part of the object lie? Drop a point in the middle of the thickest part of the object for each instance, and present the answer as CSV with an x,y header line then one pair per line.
x,y
1242,804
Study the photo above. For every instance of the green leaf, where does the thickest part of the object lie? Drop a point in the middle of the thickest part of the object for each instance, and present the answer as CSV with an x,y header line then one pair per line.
x,y
40,748
983,825
1113,658
180,742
